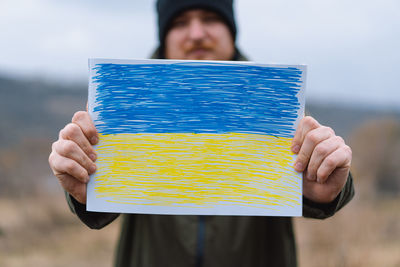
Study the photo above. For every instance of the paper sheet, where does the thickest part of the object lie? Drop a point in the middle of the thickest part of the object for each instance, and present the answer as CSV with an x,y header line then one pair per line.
x,y
195,137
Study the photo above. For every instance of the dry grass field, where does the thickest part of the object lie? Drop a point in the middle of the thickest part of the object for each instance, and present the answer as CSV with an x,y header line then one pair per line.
x,y
361,235
38,229
41,231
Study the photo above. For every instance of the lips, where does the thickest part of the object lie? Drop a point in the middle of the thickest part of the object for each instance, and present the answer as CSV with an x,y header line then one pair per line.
x,y
198,53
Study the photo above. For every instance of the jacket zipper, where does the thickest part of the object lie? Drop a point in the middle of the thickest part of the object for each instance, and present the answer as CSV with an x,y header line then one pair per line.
x,y
200,241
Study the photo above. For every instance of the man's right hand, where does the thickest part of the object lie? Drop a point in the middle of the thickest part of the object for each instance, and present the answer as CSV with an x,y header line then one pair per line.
x,y
72,157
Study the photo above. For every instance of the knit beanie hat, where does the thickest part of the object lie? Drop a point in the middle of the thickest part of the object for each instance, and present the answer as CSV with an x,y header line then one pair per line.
x,y
168,9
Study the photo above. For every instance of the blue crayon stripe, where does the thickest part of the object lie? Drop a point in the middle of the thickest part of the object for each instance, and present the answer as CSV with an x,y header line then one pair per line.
x,y
196,98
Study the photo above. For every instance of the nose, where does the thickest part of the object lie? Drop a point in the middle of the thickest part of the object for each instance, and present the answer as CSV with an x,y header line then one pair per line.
x,y
197,30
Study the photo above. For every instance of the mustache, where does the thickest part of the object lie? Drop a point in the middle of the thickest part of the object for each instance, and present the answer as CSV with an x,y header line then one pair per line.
x,y
197,46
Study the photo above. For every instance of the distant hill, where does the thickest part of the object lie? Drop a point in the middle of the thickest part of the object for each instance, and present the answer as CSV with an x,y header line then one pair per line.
x,y
33,111
344,119
34,108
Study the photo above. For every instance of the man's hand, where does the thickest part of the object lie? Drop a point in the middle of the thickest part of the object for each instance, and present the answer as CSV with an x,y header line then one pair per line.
x,y
324,159
72,157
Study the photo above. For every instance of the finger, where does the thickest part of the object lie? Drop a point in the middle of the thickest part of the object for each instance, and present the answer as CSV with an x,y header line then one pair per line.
x,y
62,165
74,187
340,158
321,151
83,120
70,150
74,133
306,124
311,140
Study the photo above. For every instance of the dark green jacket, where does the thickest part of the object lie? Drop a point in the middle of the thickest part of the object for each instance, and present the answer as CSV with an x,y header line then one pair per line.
x,y
167,240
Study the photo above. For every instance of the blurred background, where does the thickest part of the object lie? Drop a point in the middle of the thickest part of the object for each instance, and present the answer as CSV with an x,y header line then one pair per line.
x,y
352,52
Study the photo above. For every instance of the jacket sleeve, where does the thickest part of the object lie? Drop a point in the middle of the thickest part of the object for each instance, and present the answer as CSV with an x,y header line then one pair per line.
x,y
321,211
94,220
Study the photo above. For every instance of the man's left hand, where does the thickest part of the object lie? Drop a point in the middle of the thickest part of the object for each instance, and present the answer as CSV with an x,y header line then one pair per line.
x,y
324,159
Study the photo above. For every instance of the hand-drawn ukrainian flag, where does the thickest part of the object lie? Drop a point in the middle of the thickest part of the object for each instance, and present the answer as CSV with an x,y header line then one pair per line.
x,y
184,137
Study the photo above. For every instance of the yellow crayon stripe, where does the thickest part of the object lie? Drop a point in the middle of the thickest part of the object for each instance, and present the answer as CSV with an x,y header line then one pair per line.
x,y
197,170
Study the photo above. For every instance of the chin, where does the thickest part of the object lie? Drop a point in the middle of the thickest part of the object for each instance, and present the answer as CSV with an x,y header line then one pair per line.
x,y
208,56
201,56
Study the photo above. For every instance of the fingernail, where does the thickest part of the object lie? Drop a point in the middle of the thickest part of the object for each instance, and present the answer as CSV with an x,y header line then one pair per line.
x,y
92,169
298,166
311,177
318,180
94,140
296,149
93,157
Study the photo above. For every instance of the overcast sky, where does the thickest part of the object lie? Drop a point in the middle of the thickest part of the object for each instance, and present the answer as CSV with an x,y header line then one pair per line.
x,y
351,48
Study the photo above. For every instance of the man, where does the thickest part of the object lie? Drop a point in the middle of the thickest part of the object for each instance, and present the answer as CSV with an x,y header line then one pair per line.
x,y
205,29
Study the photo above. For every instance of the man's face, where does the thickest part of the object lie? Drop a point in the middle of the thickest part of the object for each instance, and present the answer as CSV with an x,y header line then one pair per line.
x,y
199,34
